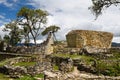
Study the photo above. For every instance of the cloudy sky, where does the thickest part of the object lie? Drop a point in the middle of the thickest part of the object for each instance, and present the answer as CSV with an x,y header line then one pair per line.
x,y
68,14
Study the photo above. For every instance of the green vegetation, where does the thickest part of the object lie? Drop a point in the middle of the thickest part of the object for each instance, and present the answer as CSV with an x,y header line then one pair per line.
x,y
53,29
26,77
40,75
109,66
28,28
4,77
73,56
110,69
14,33
25,64
99,5
55,67
2,63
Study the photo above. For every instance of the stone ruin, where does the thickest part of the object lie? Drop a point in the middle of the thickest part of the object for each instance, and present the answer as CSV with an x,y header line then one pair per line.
x,y
83,38
45,47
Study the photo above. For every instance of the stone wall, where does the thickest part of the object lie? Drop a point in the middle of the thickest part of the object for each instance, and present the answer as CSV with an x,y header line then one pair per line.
x,y
17,71
44,48
26,50
81,38
49,46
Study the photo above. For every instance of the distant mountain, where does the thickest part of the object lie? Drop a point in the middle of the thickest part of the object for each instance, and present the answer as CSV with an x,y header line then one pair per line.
x,y
114,44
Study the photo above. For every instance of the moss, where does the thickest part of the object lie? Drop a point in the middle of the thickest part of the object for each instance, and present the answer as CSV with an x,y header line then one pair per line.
x,y
26,77
109,69
2,63
61,55
25,64
40,75
4,77
109,66
55,67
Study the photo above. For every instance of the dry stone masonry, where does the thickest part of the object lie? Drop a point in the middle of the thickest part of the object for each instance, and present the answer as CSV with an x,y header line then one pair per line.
x,y
83,38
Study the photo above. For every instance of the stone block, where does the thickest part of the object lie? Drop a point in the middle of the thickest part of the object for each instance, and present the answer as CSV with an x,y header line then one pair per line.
x,y
82,38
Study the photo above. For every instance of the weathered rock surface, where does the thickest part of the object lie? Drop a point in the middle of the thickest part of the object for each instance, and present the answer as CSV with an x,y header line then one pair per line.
x,y
75,75
81,38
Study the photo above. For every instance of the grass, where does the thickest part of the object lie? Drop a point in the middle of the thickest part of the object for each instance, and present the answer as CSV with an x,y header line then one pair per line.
x,y
4,77
87,58
109,69
109,66
66,56
25,64
28,77
2,63
55,67
40,75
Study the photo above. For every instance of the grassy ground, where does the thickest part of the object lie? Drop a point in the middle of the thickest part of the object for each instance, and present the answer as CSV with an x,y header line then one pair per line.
x,y
109,66
4,77
25,64
28,77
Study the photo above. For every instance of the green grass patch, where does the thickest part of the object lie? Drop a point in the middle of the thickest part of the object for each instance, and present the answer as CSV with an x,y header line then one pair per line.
x,y
40,75
61,55
26,77
55,67
109,66
4,77
109,69
25,64
2,63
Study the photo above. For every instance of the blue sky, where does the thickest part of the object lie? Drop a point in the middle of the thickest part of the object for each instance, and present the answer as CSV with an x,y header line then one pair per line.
x,y
68,14
9,9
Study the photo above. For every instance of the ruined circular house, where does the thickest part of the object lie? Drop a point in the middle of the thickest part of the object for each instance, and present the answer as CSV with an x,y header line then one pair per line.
x,y
81,38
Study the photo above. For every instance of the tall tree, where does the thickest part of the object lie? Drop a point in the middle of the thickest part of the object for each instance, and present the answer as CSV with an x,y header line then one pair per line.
x,y
14,33
25,32
33,19
53,29
99,5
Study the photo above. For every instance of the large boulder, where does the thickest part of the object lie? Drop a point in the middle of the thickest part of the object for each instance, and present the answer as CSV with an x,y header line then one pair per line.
x,y
82,38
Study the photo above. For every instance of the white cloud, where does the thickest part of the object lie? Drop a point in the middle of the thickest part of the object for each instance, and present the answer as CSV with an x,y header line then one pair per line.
x,y
8,4
2,33
2,17
3,20
74,14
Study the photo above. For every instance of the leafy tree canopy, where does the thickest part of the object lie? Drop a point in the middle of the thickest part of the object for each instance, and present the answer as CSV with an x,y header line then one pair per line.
x,y
99,5
51,29
33,20
14,33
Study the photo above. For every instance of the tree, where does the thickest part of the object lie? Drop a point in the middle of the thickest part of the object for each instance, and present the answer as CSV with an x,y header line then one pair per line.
x,y
14,33
25,32
32,20
99,5
53,29
6,39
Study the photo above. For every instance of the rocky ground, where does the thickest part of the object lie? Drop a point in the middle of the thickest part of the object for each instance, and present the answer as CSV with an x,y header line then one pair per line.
x,y
64,64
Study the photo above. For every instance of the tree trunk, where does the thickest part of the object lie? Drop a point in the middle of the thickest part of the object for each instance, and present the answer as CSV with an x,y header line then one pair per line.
x,y
34,40
54,37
